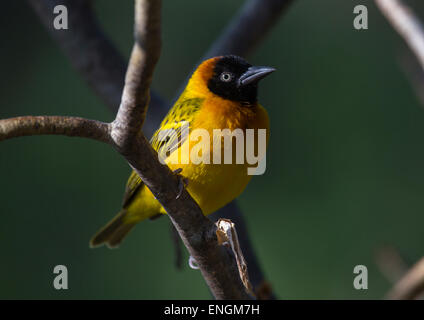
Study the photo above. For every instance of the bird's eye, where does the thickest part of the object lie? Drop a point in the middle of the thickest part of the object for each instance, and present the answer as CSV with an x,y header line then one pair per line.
x,y
226,76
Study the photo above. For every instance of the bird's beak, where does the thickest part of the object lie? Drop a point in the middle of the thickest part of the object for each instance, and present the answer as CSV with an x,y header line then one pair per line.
x,y
254,74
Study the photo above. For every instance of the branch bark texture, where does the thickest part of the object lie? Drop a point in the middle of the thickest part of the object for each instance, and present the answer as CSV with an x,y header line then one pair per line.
x,y
145,54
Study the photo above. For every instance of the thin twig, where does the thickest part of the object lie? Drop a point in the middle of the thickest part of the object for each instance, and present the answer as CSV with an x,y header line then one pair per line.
x,y
414,73
243,34
406,23
227,235
257,278
54,125
411,285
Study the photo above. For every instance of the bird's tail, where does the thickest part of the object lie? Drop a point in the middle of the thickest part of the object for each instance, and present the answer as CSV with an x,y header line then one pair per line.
x,y
113,233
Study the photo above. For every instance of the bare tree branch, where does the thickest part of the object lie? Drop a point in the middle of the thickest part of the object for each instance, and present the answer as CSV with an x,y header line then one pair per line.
x,y
177,247
145,54
414,73
390,263
247,29
54,125
411,285
406,23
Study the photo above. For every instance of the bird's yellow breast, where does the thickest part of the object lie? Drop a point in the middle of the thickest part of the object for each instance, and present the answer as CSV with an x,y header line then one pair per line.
x,y
211,184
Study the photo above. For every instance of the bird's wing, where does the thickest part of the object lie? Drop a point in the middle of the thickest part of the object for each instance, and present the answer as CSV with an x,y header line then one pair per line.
x,y
170,136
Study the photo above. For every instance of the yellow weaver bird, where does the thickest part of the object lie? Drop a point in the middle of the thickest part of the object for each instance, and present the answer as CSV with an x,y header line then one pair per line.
x,y
221,94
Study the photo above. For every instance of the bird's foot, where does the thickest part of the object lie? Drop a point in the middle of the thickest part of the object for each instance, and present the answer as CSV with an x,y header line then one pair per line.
x,y
183,182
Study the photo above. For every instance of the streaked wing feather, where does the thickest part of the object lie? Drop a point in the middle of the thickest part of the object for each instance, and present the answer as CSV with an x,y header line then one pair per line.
x,y
182,112
133,185
172,125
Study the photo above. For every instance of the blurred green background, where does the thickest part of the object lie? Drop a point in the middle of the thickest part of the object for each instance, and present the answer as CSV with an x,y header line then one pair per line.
x,y
345,169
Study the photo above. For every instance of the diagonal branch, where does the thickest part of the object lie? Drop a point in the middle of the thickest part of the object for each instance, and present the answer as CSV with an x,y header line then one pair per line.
x,y
54,125
197,232
248,28
410,28
411,285
406,23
